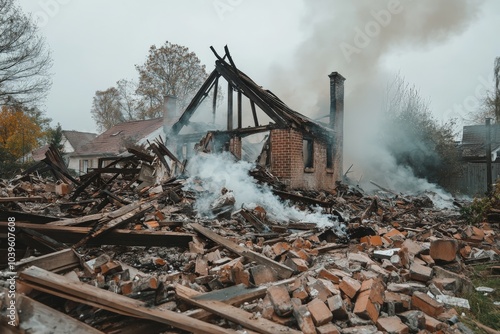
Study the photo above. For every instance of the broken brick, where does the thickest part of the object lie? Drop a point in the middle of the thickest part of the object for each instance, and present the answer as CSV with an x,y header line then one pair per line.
x,y
303,317
426,304
336,306
328,329
392,325
349,286
320,313
263,274
280,298
444,249
419,272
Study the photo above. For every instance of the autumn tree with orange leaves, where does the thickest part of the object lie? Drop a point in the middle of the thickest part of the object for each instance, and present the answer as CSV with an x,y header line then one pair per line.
x,y
19,132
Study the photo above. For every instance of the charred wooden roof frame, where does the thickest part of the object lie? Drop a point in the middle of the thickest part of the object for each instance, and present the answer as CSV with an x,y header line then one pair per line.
x,y
283,116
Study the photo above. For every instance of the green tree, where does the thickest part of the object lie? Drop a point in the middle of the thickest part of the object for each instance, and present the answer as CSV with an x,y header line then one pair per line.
x,y
24,59
55,137
416,139
168,70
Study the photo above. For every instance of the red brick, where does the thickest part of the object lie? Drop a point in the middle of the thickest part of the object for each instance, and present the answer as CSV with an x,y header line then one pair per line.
x,y
240,275
297,264
320,313
392,325
329,276
303,317
319,290
263,274
62,189
337,307
328,329
280,298
444,249
110,267
433,325
365,308
419,272
300,293
396,302
426,304
349,286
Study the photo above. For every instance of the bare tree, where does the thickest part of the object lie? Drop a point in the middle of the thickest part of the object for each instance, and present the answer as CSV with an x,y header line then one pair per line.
x,y
417,140
494,99
130,102
169,70
106,108
24,59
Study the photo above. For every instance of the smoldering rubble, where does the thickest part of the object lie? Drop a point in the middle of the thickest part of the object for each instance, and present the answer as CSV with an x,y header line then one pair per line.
x,y
132,247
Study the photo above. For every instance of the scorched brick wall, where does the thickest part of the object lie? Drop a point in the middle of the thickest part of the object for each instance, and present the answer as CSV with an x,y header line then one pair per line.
x,y
288,165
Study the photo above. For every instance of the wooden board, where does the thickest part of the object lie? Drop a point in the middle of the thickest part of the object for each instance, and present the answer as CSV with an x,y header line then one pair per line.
x,y
112,300
56,262
72,234
40,318
282,270
234,314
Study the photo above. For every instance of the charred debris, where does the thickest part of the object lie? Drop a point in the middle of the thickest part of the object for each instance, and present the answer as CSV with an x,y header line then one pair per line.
x,y
125,248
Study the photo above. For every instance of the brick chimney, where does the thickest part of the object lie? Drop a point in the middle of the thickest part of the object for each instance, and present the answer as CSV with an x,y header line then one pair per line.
x,y
169,112
337,121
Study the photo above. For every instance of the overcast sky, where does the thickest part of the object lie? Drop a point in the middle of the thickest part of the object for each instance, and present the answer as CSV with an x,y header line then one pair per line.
x,y
445,47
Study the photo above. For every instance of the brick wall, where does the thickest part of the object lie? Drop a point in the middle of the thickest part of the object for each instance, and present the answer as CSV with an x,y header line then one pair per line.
x,y
235,146
288,165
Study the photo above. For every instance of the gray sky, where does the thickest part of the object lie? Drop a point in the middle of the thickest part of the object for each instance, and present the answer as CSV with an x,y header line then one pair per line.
x,y
445,47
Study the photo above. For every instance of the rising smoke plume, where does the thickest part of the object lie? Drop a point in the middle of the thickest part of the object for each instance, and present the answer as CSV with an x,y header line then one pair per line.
x,y
353,38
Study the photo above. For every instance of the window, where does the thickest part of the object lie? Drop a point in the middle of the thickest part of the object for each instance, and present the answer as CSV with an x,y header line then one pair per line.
x,y
85,166
308,152
329,155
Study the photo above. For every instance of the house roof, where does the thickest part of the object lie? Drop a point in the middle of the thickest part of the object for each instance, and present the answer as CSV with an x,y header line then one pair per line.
x,y
474,139
113,140
282,115
77,139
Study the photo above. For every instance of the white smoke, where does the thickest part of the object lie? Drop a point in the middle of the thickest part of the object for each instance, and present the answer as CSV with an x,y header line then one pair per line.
x,y
355,38
210,173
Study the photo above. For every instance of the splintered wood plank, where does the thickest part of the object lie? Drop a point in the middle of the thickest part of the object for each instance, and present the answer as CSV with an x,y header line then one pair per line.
x,y
141,208
238,294
78,220
60,284
234,314
33,314
59,261
282,270
22,199
72,234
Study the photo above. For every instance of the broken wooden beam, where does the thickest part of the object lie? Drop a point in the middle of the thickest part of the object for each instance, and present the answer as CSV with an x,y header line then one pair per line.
x,y
56,262
73,234
85,293
33,314
234,314
138,208
282,270
22,199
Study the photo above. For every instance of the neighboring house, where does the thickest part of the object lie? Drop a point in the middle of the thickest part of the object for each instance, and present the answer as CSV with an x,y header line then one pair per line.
x,y
74,141
301,152
473,154
112,142
71,142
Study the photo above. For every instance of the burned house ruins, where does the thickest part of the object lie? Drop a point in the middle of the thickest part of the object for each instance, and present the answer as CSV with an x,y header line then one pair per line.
x,y
301,152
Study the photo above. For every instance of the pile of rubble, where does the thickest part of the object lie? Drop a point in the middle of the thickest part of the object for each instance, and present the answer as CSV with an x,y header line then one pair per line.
x,y
122,250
